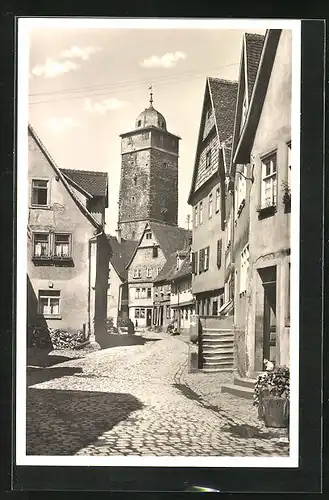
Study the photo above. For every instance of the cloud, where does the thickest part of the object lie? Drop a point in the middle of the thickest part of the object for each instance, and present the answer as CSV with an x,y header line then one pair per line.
x,y
58,125
102,107
53,68
168,60
79,52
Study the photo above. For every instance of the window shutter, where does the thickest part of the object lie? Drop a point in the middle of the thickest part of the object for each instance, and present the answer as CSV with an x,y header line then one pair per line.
x,y
201,261
219,253
208,257
193,263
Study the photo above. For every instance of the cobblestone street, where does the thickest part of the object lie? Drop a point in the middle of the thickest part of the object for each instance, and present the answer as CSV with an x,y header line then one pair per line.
x,y
139,400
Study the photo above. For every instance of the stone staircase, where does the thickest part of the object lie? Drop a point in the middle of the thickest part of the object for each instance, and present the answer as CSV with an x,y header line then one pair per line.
x,y
217,350
241,387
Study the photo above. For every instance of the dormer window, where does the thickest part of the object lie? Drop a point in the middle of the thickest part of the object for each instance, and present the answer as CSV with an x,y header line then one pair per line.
x,y
155,252
148,235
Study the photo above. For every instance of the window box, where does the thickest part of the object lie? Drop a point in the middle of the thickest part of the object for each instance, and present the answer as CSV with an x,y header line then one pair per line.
x,y
266,211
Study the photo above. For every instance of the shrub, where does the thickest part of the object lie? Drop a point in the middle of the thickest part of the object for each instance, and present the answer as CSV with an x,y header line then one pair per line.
x,y
274,382
39,337
123,322
109,326
67,338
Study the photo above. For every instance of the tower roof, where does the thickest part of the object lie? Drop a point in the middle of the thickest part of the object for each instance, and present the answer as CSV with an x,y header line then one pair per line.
x,y
150,116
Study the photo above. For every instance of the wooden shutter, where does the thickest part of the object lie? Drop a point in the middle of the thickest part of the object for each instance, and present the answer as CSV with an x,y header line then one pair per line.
x,y
219,253
193,263
208,257
201,261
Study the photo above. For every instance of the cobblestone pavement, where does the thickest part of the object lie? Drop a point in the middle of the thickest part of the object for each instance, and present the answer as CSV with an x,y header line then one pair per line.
x,y
137,400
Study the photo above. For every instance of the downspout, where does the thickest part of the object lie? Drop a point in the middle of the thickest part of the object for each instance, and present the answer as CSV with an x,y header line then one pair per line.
x,y
89,280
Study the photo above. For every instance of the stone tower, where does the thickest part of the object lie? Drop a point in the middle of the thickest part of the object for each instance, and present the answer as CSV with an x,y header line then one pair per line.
x,y
149,174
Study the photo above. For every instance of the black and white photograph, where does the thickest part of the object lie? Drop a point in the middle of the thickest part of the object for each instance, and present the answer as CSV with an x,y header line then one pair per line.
x,y
158,242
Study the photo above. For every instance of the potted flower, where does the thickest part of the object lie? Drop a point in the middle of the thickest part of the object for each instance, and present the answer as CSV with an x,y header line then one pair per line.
x,y
271,395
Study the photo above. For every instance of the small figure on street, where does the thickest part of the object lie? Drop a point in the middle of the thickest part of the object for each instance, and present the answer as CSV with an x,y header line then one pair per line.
x,y
136,324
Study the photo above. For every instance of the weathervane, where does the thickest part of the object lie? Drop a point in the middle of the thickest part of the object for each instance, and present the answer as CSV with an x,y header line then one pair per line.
x,y
151,95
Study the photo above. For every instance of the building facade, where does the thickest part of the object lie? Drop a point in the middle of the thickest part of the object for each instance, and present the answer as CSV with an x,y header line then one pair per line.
x,y
68,253
149,174
182,302
264,149
151,254
208,195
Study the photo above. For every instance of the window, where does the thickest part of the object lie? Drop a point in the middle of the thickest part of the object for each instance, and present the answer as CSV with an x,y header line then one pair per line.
x,y
137,293
208,158
137,313
217,199
165,164
143,294
194,262
219,253
40,193
135,180
268,190
130,141
210,206
137,272
139,123
41,245
196,216
148,235
149,272
49,302
62,245
201,260
145,136
201,212
142,313
155,252
206,258
228,232
133,199
244,269
240,191
168,312
158,270
149,293
214,307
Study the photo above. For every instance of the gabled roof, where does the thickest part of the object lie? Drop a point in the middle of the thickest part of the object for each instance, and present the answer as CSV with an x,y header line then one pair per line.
x,y
60,175
170,238
222,95
242,151
122,253
93,183
168,269
254,46
185,270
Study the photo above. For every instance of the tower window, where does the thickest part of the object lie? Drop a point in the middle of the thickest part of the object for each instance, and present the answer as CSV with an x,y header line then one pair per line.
x,y
133,198
208,158
145,136
139,123
148,236
135,180
155,252
165,164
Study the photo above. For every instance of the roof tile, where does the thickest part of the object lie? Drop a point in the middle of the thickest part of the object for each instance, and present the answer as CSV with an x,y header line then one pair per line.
x,y
93,182
122,253
254,48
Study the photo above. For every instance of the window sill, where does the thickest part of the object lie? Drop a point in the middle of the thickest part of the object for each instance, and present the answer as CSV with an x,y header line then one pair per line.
x,y
50,316
264,212
40,207
53,261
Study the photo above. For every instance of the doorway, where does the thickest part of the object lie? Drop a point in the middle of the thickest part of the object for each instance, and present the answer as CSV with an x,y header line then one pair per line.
x,y
268,276
148,317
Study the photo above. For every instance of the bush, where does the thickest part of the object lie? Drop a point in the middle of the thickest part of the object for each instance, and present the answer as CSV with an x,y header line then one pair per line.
x,y
123,322
66,338
274,382
109,326
39,337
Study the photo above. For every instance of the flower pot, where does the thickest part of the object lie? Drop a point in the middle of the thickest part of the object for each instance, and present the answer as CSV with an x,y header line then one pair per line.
x,y
275,411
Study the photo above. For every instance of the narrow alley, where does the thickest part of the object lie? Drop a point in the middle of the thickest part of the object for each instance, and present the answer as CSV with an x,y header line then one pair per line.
x,y
137,400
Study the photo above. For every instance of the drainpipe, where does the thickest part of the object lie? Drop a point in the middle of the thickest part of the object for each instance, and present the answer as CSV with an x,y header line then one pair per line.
x,y
92,338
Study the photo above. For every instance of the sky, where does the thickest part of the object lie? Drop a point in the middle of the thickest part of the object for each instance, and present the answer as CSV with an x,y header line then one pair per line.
x,y
87,86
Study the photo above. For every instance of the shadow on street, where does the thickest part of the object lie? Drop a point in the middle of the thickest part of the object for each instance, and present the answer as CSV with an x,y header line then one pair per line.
x,y
61,422
36,375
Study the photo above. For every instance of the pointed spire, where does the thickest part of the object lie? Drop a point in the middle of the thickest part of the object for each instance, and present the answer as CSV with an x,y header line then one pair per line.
x,y
151,96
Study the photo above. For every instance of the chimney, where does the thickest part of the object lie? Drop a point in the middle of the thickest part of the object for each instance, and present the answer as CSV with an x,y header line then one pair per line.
x,y
118,231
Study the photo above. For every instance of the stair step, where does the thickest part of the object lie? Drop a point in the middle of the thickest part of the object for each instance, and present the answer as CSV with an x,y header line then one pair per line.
x,y
239,391
219,330
218,356
217,339
209,369
220,351
245,382
219,363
